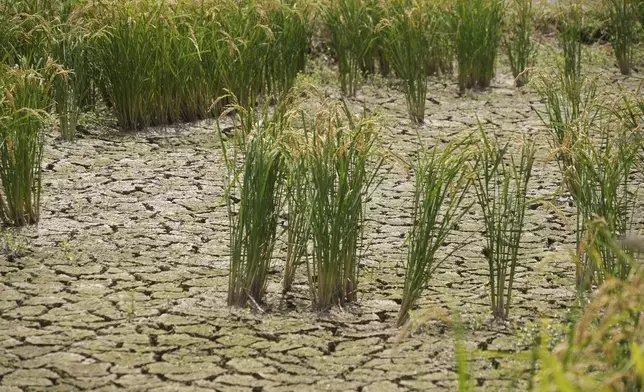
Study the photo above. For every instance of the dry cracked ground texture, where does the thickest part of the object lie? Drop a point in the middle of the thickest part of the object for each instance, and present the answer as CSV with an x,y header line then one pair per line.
x,y
124,284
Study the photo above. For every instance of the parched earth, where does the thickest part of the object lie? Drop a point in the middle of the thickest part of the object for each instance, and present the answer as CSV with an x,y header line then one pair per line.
x,y
123,284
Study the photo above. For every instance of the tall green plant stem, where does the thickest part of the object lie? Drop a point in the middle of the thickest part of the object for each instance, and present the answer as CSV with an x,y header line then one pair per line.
x,y
501,189
254,198
409,30
600,184
519,46
343,168
477,34
441,185
352,36
570,31
623,20
24,100
299,215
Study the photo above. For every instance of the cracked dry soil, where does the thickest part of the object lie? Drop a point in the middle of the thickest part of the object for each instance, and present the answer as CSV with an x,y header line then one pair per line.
x,y
124,284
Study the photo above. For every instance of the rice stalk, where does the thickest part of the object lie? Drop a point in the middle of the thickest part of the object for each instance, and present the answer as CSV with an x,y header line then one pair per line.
x,y
600,184
571,107
287,54
375,57
477,29
442,182
623,19
501,188
343,168
409,29
298,227
70,48
603,349
630,111
25,32
518,45
352,36
126,55
255,194
571,19
246,38
441,57
24,99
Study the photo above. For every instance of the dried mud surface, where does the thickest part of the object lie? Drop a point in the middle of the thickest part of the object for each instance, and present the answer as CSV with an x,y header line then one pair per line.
x,y
123,286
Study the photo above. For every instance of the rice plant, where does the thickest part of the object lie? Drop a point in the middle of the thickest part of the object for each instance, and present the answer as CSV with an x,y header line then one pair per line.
x,y
604,349
243,57
595,158
298,227
163,63
571,21
343,166
441,185
477,29
71,48
441,58
374,56
288,49
409,28
25,32
623,19
255,194
352,36
214,58
600,184
126,56
519,46
24,99
630,111
465,382
501,188
571,107
66,106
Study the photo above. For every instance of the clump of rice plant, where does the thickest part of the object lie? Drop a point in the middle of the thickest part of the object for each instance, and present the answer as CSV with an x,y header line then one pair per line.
x,y
154,71
442,52
600,184
165,62
343,168
351,30
409,28
126,57
518,45
288,48
571,22
570,109
375,56
67,105
255,194
25,32
298,226
214,60
477,29
501,188
595,160
71,49
441,185
604,349
622,16
24,99
245,35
